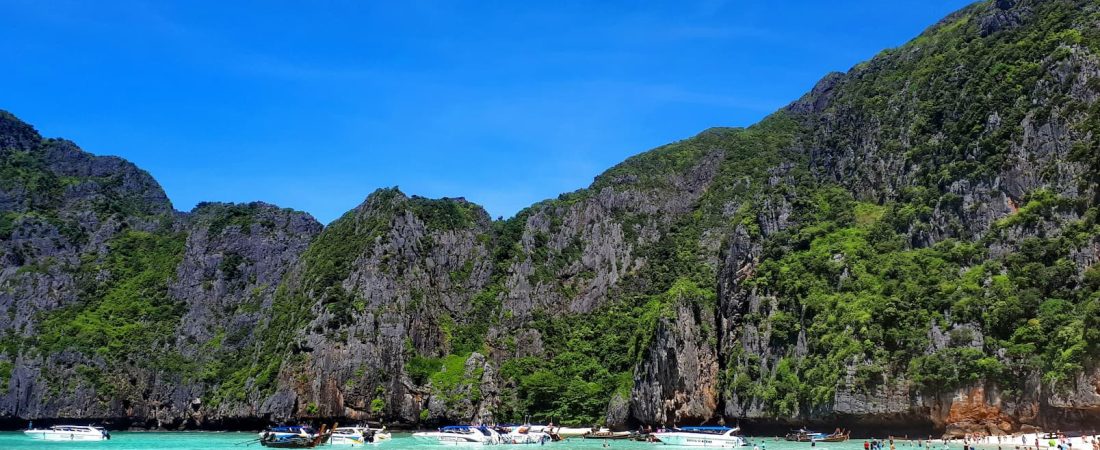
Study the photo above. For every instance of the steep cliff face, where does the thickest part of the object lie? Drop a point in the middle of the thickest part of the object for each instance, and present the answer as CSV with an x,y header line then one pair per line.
x,y
234,260
62,209
677,380
949,269
911,244
118,306
412,291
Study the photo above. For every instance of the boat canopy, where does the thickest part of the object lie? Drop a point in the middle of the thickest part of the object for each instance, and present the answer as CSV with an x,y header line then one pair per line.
x,y
466,428
292,429
706,429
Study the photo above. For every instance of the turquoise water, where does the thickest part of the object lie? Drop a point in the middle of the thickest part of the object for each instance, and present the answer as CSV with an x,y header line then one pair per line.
x,y
121,440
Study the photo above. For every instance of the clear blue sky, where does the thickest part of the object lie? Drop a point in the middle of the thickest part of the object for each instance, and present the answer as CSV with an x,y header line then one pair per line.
x,y
313,105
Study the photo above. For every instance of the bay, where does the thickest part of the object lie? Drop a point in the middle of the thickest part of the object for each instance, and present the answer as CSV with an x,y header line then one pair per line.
x,y
122,440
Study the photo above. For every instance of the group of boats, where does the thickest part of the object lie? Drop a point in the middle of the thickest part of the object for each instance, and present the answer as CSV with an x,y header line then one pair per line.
x,y
483,434
701,436
298,436
713,436
302,436
511,434
804,435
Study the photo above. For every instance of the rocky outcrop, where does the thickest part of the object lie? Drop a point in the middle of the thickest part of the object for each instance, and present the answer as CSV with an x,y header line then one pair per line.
x,y
411,286
677,380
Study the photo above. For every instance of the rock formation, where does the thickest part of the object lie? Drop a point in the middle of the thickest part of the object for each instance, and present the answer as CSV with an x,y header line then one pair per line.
x,y
911,245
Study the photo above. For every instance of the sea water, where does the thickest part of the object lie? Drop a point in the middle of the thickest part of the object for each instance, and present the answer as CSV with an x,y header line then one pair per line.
x,y
121,440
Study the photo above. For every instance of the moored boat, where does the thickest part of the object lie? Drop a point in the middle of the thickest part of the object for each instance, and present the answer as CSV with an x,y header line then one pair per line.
x,y
804,435
293,437
837,436
459,435
69,433
526,434
604,433
569,432
358,436
714,436
381,435
550,431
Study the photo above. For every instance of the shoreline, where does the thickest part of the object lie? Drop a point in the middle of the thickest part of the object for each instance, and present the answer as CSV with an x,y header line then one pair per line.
x,y
1007,441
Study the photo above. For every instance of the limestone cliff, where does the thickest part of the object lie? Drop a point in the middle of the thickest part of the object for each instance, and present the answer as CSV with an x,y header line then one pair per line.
x,y
910,245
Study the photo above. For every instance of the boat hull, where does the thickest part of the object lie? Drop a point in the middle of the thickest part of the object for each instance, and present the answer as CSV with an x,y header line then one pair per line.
x,y
357,436
346,440
806,437
337,439
295,442
567,432
64,436
611,435
699,440
527,438
447,439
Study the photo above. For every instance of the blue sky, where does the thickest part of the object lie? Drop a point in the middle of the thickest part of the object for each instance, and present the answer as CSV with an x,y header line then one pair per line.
x,y
313,105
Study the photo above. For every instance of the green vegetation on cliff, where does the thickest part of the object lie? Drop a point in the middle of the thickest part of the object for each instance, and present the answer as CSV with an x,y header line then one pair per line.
x,y
905,286
128,314
862,298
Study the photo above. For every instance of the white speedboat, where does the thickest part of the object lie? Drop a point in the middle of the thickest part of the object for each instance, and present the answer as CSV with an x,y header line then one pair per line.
x,y
358,436
701,437
460,434
527,434
69,433
570,432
